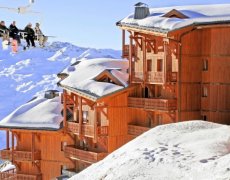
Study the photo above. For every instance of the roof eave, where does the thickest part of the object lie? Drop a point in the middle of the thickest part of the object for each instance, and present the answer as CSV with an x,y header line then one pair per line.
x,y
93,98
136,28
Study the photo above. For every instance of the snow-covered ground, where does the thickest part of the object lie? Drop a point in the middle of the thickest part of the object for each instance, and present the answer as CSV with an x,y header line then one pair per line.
x,y
29,73
194,150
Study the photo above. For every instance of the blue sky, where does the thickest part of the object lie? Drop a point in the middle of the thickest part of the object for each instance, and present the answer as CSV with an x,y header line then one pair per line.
x,y
87,23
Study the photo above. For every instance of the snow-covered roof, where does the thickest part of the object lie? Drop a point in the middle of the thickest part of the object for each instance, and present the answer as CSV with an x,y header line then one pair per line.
x,y
81,77
40,113
178,151
6,166
197,14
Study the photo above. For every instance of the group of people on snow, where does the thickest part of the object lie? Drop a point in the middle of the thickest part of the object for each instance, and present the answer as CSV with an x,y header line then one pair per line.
x,y
16,34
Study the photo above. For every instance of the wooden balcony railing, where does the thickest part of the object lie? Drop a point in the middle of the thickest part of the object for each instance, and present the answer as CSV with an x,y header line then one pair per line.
x,y
136,130
6,154
137,76
12,175
87,156
155,77
87,130
20,155
102,130
126,51
155,104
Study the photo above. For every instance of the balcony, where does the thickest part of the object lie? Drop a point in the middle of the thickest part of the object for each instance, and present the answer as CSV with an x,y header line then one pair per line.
x,y
87,130
20,155
154,104
126,51
155,77
87,156
11,174
137,76
136,130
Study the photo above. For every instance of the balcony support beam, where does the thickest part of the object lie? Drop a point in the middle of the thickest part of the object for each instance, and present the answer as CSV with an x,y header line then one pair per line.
x,y
12,141
64,111
80,116
130,58
33,147
7,139
123,42
144,59
95,126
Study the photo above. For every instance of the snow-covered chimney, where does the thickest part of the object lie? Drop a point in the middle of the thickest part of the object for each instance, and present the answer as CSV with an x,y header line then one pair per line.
x,y
141,10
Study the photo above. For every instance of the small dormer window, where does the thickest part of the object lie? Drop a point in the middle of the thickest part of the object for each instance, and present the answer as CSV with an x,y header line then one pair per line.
x,y
175,14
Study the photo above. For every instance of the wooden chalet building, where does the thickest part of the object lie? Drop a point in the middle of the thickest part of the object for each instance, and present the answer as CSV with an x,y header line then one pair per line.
x,y
178,69
180,61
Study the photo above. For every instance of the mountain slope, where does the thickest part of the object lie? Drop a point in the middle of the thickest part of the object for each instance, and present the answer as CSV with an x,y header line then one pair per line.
x,y
31,72
187,150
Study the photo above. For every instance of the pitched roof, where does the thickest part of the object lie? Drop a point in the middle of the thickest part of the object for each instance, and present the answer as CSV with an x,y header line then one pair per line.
x,y
86,77
168,19
39,113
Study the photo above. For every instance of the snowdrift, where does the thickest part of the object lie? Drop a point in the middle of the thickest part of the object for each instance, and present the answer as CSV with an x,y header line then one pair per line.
x,y
187,150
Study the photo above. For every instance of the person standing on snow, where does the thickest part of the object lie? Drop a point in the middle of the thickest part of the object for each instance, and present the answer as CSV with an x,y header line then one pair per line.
x,y
41,37
4,31
30,35
14,32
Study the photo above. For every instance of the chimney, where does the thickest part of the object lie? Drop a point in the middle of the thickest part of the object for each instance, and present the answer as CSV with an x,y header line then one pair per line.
x,y
141,10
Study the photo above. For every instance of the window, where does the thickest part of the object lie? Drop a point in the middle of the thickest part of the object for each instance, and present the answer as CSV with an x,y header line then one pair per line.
x,y
205,65
159,65
204,91
85,116
149,65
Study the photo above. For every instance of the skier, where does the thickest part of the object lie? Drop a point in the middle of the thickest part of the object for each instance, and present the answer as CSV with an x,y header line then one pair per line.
x,y
30,35
14,32
41,37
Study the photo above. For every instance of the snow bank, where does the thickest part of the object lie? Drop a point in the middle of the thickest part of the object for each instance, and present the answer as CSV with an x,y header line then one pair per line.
x,y
81,76
196,14
40,113
186,150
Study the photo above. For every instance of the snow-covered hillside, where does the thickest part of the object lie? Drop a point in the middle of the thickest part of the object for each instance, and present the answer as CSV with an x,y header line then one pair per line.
x,y
29,73
194,150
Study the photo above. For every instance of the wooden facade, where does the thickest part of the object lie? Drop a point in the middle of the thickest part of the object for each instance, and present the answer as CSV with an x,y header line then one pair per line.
x,y
35,153
183,75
